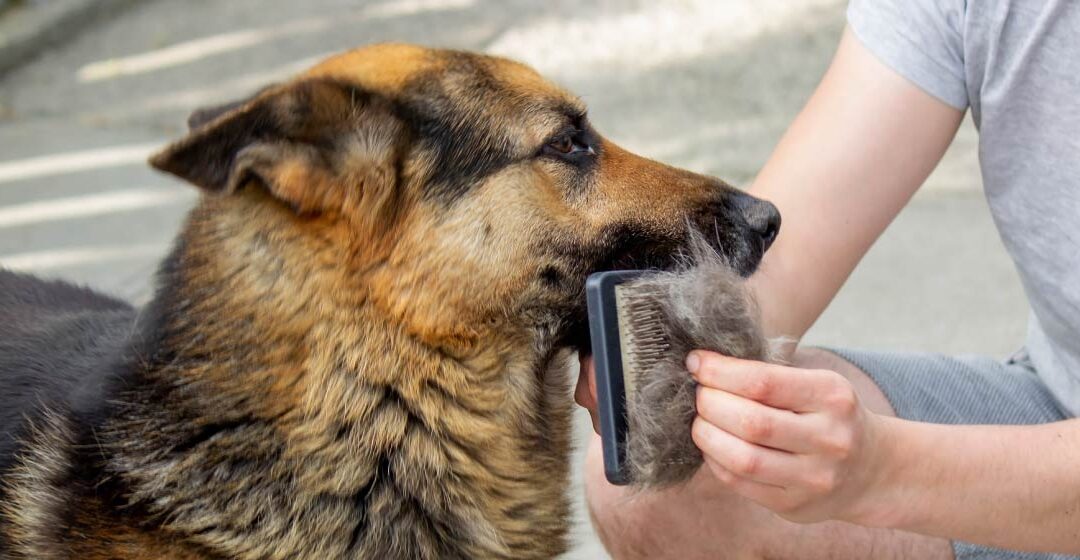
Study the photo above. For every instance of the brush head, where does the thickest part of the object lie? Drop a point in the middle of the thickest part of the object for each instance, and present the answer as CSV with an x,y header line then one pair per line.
x,y
608,354
644,337
656,318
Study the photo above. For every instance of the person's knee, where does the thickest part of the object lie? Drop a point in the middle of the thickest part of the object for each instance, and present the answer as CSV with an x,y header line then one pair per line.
x,y
867,389
621,527
809,357
670,524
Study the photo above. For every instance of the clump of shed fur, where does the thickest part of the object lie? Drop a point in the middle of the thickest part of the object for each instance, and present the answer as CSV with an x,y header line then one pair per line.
x,y
705,306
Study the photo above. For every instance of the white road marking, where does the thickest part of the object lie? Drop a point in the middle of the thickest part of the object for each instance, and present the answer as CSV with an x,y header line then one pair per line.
x,y
197,49
90,205
656,34
38,261
190,51
245,84
67,162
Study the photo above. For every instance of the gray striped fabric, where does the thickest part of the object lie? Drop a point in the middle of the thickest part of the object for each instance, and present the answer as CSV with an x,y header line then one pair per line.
x,y
963,390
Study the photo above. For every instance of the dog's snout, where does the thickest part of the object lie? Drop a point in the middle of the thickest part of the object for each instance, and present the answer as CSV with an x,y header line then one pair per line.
x,y
767,223
761,217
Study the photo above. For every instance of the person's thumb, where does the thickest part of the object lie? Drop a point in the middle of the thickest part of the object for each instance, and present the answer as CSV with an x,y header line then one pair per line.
x,y
585,393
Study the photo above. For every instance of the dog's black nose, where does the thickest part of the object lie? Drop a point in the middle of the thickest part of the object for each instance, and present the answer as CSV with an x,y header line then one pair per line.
x,y
768,225
761,217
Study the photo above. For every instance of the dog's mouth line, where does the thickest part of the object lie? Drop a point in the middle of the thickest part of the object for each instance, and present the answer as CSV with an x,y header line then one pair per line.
x,y
658,257
654,255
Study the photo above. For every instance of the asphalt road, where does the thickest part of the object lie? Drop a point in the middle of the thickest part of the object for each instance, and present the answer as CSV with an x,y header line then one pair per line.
x,y
704,84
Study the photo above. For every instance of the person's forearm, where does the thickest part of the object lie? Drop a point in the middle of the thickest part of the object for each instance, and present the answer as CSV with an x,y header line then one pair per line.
x,y
1015,487
854,156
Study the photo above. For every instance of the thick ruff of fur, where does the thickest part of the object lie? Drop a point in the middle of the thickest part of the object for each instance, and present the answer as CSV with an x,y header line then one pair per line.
x,y
358,347
704,306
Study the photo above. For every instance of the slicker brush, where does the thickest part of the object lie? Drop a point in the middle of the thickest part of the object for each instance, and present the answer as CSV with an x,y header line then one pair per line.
x,y
642,325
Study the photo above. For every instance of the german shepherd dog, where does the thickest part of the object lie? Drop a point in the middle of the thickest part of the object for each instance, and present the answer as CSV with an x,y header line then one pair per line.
x,y
359,344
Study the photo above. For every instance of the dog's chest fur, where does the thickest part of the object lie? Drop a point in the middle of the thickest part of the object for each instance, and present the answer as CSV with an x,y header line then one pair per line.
x,y
298,422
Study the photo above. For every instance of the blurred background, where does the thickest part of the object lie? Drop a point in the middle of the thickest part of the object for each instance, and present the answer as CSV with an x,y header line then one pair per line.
x,y
88,88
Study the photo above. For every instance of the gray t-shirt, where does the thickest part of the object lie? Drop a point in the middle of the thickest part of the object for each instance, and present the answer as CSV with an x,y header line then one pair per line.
x,y
1016,64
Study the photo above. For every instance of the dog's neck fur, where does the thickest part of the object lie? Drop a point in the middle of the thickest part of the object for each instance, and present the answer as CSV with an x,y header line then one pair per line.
x,y
281,413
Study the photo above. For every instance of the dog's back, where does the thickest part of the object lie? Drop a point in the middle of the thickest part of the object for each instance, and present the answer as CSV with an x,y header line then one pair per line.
x,y
59,345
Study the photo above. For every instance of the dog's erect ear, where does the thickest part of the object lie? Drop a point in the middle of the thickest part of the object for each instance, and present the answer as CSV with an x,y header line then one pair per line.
x,y
312,144
204,115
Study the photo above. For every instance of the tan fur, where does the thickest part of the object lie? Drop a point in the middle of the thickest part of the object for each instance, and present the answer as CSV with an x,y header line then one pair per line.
x,y
469,412
361,345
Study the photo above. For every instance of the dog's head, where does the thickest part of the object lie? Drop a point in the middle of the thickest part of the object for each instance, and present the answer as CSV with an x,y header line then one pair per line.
x,y
464,191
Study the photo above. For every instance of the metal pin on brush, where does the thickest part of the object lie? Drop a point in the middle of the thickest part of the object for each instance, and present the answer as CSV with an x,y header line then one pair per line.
x,y
642,325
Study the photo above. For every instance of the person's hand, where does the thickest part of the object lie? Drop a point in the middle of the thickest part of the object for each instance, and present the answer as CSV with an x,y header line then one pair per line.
x,y
797,442
585,393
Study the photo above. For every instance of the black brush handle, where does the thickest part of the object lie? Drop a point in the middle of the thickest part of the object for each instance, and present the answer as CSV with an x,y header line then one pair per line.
x,y
607,357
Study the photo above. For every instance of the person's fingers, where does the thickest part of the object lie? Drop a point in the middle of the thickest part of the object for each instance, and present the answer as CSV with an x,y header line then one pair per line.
x,y
757,423
799,390
585,392
588,367
744,459
590,374
763,494
586,361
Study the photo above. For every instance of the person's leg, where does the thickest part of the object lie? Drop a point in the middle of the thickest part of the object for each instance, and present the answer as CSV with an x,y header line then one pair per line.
x,y
699,520
869,392
963,390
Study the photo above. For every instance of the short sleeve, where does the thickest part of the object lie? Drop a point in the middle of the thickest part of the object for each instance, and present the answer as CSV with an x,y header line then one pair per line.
x,y
922,40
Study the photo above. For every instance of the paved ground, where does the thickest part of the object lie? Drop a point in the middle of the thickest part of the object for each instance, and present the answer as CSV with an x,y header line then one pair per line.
x,y
703,84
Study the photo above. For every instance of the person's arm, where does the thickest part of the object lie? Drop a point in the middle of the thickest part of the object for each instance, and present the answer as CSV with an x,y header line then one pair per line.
x,y
854,156
1014,487
799,443
858,151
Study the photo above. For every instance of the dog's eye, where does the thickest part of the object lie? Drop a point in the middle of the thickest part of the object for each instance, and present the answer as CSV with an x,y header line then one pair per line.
x,y
563,144
567,145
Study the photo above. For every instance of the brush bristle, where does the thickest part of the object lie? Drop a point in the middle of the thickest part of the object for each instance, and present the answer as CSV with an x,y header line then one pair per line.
x,y
643,334
662,317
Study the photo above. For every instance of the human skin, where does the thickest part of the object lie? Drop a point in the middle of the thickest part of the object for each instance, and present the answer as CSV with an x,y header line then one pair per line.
x,y
809,461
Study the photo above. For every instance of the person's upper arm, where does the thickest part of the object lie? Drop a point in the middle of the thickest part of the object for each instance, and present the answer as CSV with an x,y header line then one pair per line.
x,y
860,148
922,40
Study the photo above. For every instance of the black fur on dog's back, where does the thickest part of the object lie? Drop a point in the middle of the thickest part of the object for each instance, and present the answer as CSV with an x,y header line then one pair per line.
x,y
61,348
